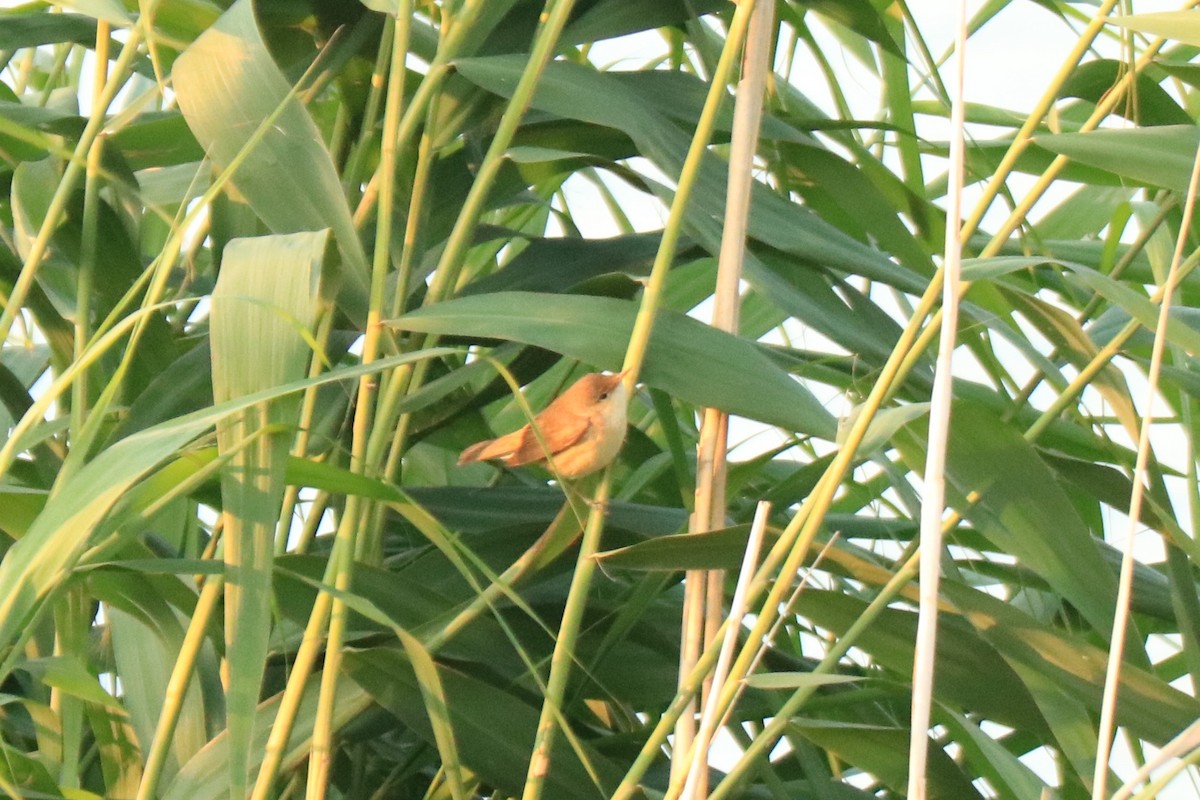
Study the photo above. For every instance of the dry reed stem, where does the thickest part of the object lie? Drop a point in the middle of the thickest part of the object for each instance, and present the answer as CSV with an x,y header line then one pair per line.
x,y
934,502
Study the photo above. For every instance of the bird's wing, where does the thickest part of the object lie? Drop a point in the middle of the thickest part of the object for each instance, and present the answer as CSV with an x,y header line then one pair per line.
x,y
558,433
492,448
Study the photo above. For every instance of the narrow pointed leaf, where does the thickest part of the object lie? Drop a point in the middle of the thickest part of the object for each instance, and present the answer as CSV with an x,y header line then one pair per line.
x,y
689,360
1023,511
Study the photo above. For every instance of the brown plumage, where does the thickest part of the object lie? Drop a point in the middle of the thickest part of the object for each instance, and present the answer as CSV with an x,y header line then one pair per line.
x,y
582,429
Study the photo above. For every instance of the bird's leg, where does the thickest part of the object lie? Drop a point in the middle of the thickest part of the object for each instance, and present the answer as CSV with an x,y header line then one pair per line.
x,y
584,488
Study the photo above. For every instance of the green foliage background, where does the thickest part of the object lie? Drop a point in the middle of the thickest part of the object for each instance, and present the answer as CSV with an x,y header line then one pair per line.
x,y
268,271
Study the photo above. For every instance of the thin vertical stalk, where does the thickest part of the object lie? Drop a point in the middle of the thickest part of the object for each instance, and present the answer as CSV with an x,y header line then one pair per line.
x,y
449,267
398,381
697,774
639,340
783,716
62,52
289,703
691,645
341,563
1116,650
66,185
357,510
933,504
89,240
564,644
704,590
393,109
73,617
1024,136
545,42
308,532
351,177
396,384
308,407
454,36
177,684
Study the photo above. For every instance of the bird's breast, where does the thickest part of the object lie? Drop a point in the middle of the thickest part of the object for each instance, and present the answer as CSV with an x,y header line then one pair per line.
x,y
597,448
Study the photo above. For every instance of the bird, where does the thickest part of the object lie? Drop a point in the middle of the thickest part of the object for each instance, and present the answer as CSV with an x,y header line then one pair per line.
x,y
582,430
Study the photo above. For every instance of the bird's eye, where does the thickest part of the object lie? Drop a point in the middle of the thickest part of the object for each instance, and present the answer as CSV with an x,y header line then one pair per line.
x,y
604,395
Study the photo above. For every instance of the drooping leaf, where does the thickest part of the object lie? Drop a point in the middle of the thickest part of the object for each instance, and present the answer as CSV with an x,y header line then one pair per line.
x,y
883,751
961,658
1150,708
1154,106
31,29
1160,156
263,307
574,92
228,86
1021,508
685,358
